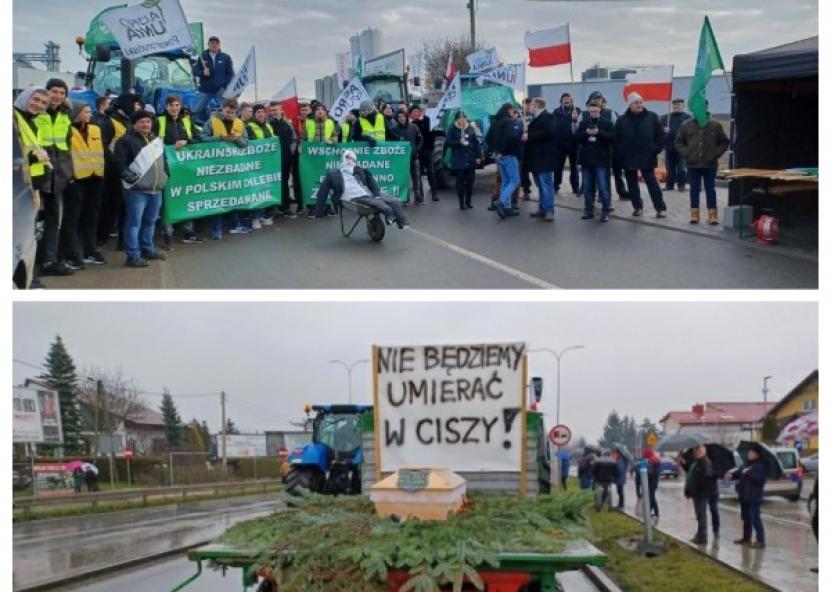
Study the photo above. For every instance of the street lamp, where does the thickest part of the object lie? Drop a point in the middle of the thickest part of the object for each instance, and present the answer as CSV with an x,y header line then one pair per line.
x,y
555,458
349,368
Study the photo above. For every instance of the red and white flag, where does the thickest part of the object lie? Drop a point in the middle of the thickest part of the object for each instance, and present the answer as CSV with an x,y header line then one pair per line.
x,y
451,69
654,84
549,47
291,103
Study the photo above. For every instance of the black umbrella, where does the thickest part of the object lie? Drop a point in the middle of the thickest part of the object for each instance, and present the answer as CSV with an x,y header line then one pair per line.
x,y
624,451
679,442
721,457
592,450
767,456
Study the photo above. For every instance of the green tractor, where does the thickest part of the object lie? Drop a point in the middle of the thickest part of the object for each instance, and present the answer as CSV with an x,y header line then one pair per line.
x,y
480,103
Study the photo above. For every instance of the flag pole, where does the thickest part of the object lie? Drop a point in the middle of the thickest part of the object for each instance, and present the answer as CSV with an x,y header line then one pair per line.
x,y
254,50
570,61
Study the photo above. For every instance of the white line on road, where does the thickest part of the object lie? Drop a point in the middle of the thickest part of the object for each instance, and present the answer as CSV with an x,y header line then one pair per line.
x,y
540,283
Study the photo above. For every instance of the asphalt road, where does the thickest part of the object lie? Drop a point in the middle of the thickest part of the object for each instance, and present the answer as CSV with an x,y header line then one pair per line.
x,y
46,551
791,546
447,248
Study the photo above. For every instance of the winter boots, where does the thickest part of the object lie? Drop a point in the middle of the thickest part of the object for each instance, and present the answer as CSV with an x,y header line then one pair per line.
x,y
712,216
694,216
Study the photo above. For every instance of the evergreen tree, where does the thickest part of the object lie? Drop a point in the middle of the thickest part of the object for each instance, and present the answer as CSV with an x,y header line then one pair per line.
x,y
172,422
230,427
770,429
206,435
60,376
612,431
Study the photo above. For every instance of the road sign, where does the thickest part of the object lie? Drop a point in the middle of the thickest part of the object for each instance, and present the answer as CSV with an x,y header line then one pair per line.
x,y
651,439
128,453
559,435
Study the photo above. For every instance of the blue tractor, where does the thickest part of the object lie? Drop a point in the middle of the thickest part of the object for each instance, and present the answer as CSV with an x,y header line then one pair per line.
x,y
331,464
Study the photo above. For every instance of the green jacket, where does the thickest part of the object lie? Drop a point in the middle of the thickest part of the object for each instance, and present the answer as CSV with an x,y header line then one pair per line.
x,y
701,147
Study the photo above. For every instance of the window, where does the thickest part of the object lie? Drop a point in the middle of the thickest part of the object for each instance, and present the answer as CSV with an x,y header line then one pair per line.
x,y
788,460
809,405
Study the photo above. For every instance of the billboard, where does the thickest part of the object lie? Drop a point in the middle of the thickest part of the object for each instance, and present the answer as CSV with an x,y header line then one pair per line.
x,y
242,445
36,416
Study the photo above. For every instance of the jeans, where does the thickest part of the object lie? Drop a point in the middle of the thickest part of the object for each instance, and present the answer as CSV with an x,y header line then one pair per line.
x,y
545,184
141,211
676,173
509,171
464,185
709,176
652,186
216,226
574,170
585,482
596,176
620,488
700,504
752,520
200,109
52,204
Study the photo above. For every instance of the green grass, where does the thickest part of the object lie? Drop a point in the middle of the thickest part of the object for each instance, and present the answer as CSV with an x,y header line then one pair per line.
x,y
679,569
86,508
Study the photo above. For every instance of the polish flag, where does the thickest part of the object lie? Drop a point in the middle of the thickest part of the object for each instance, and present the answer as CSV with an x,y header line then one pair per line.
x,y
549,47
291,103
654,84
451,69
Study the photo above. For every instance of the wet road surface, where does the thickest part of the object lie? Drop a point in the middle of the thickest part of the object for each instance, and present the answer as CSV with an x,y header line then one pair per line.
x,y
52,550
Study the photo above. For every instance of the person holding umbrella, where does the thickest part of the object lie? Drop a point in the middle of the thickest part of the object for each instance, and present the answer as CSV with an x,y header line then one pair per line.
x,y
701,486
751,488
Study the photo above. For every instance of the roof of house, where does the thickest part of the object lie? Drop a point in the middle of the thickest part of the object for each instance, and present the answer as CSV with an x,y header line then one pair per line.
x,y
795,391
146,416
722,413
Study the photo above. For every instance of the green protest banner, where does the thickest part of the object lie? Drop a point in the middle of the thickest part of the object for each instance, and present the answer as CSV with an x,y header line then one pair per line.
x,y
216,178
389,163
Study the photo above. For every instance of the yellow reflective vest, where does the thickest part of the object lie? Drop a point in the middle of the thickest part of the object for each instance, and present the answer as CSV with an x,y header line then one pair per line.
x,y
53,133
345,128
218,127
256,132
29,143
311,126
120,129
87,156
186,122
378,130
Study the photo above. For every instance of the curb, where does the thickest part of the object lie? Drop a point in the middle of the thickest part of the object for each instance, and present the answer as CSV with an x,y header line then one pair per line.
x,y
600,579
107,569
698,551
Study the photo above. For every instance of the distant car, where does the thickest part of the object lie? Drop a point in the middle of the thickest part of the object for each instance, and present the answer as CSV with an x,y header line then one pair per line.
x,y
24,240
788,486
669,468
810,464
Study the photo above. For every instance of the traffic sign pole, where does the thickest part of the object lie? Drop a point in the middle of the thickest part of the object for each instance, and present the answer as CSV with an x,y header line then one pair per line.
x,y
558,436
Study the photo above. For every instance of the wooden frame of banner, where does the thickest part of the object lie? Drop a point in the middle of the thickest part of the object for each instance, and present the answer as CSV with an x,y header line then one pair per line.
x,y
523,455
376,413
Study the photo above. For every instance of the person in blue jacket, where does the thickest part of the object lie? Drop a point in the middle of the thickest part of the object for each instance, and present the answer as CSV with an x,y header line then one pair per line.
x,y
620,482
565,463
751,490
214,69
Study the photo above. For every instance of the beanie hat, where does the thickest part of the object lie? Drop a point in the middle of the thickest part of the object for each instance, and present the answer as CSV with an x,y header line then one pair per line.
x,y
53,82
633,97
367,106
140,114
77,106
126,102
564,95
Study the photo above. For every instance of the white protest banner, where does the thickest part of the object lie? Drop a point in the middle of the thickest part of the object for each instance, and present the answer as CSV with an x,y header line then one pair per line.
x,y
244,76
460,407
151,27
351,98
452,99
483,60
512,75
342,64
242,445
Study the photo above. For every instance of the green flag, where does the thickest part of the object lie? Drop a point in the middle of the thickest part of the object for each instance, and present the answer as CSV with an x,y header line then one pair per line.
x,y
709,59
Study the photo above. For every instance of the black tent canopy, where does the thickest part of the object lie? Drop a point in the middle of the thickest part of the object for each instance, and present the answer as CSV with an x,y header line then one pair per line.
x,y
776,106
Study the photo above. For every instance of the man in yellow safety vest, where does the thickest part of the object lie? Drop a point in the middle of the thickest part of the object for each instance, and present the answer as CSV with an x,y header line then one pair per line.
x,y
373,124
321,128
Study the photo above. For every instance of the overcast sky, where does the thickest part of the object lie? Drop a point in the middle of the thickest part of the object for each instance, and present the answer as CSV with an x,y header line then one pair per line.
x,y
301,38
642,359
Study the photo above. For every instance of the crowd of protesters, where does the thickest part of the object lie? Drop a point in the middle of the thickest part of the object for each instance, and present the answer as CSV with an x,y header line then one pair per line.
x,y
99,171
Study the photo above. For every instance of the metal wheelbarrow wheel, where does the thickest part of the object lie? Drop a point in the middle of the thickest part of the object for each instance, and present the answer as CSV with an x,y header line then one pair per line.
x,y
376,228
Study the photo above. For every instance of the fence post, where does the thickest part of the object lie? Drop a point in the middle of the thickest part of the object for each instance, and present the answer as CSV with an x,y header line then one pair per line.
x,y
170,456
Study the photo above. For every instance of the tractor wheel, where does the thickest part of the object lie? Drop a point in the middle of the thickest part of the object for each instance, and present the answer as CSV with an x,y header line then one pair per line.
x,y
376,228
308,479
439,168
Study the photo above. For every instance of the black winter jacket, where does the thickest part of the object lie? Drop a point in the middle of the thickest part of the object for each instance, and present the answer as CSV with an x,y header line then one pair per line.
x,y
541,148
463,157
427,135
639,138
701,481
502,136
333,183
599,151
127,148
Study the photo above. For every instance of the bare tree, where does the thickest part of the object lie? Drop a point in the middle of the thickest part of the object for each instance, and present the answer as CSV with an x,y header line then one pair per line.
x,y
111,399
434,54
